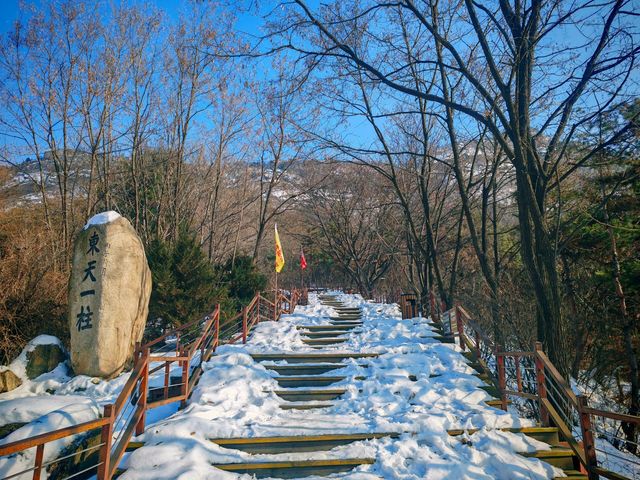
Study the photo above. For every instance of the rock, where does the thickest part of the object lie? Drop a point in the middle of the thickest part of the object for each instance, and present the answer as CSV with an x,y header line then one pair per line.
x,y
82,454
8,381
44,358
9,428
109,293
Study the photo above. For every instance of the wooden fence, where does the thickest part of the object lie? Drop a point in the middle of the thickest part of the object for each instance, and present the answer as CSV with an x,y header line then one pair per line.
x,y
179,354
531,380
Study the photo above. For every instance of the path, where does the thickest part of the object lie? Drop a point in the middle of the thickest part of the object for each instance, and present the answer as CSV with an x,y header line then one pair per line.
x,y
343,388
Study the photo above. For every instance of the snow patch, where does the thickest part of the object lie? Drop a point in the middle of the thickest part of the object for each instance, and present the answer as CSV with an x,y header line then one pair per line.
x,y
19,365
102,218
65,416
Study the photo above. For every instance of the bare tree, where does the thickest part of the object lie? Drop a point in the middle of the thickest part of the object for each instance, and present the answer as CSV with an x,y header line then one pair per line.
x,y
531,114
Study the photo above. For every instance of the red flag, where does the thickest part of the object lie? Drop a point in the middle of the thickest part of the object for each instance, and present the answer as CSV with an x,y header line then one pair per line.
x,y
303,261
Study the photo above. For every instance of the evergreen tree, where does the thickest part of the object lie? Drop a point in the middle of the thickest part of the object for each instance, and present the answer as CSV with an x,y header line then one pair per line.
x,y
185,285
242,280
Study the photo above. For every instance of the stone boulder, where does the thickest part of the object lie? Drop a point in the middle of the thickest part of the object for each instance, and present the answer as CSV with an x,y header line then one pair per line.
x,y
8,381
43,358
109,292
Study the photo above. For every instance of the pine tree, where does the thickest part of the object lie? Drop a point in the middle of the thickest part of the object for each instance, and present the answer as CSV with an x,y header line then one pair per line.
x,y
185,285
242,280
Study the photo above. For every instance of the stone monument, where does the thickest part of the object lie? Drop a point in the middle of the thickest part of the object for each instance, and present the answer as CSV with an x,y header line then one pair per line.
x,y
109,293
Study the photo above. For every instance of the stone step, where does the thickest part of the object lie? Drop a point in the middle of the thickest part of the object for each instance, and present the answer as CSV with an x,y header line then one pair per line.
x,y
310,395
305,406
563,458
306,369
573,475
295,469
348,309
324,341
547,435
496,403
346,317
491,390
485,377
324,327
307,381
351,324
448,339
309,357
296,443
288,444
324,334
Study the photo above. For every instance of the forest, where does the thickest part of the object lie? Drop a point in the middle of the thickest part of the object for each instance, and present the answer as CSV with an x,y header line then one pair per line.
x,y
485,153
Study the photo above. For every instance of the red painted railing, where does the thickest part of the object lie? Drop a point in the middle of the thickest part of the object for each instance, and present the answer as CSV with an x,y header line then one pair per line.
x,y
180,352
543,393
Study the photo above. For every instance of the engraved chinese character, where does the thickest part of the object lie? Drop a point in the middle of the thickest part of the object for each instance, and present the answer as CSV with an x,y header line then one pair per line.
x,y
93,244
83,321
88,272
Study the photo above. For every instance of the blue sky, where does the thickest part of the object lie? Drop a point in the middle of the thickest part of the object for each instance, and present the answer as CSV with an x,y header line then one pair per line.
x,y
10,11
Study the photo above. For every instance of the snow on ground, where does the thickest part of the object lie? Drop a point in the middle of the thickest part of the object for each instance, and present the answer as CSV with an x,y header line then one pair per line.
x,y
52,401
234,398
66,415
57,400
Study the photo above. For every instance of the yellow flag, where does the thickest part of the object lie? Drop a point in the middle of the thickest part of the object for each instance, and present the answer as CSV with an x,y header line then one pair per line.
x,y
279,254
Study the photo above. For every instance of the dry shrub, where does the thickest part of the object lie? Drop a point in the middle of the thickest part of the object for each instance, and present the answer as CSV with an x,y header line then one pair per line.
x,y
33,286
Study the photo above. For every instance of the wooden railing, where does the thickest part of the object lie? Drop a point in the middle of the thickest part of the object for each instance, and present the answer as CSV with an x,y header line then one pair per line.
x,y
179,354
541,392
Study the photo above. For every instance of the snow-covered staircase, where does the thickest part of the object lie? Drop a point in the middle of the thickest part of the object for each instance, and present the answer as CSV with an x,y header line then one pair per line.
x,y
307,388
310,384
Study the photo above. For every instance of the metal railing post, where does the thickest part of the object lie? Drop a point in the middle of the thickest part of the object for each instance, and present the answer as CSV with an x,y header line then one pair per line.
x,y
106,436
432,304
244,324
37,470
502,377
144,386
588,442
460,326
217,327
518,374
541,385
167,378
185,379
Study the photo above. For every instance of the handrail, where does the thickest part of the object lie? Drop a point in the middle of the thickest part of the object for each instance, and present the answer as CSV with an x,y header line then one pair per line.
x,y
131,382
557,376
532,376
269,302
26,443
171,332
137,394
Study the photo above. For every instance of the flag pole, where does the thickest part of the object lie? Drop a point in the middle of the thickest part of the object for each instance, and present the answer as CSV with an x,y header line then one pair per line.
x,y
275,300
